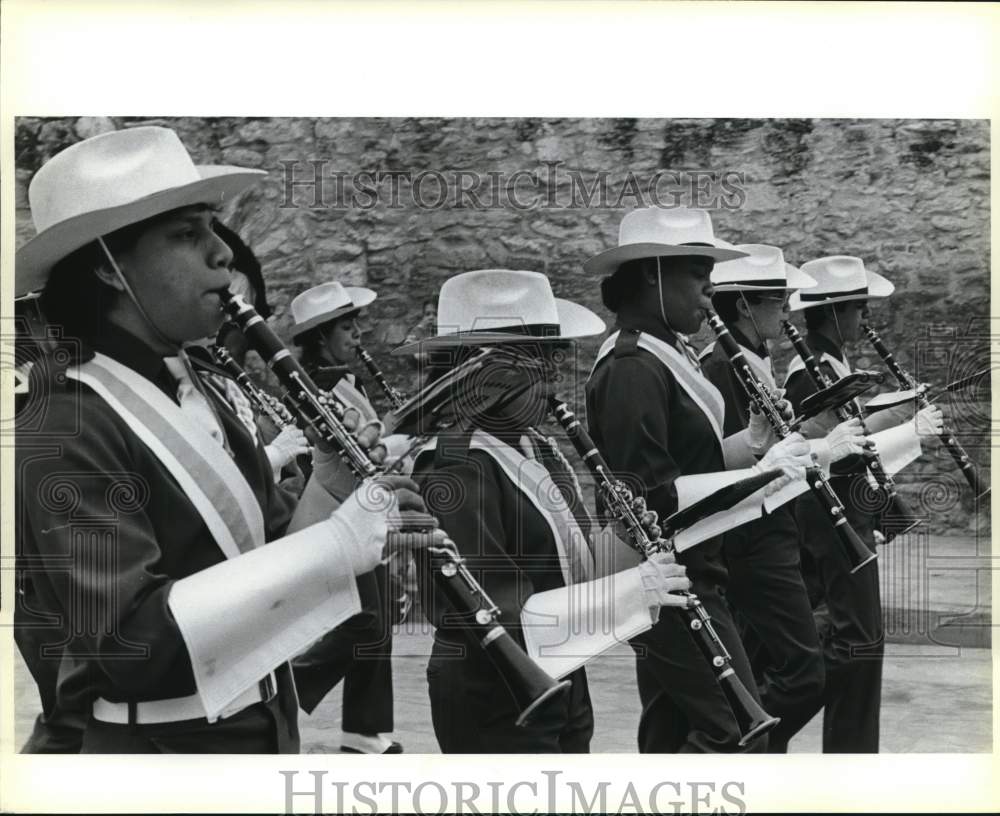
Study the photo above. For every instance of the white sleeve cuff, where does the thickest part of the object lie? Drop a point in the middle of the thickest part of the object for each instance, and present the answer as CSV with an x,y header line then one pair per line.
x,y
564,628
244,617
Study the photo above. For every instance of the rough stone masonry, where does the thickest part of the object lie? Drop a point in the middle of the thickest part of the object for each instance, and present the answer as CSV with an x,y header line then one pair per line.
x,y
910,197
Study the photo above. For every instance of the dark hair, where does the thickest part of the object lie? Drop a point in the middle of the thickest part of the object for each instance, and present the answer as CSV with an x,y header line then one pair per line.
x,y
311,348
246,262
624,283
74,297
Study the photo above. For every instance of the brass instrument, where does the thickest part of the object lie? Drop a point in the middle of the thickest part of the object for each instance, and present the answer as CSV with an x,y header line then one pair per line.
x,y
762,401
529,684
895,508
645,536
979,488
396,397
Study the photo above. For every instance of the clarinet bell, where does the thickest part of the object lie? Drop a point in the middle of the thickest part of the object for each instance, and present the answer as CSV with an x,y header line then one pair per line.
x,y
530,685
855,549
752,719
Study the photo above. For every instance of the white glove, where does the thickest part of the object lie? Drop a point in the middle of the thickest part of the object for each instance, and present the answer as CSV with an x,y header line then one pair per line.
x,y
285,447
846,439
362,521
661,577
930,421
792,456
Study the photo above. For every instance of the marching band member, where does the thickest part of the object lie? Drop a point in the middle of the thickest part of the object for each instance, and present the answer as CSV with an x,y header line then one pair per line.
x,y
850,618
327,331
762,557
655,416
144,503
509,502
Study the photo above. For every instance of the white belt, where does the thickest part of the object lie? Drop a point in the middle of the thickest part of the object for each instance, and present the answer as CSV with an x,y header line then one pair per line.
x,y
181,708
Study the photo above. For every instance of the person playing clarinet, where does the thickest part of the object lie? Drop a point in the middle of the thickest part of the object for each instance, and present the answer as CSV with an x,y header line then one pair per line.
x,y
513,505
143,498
766,588
655,417
849,614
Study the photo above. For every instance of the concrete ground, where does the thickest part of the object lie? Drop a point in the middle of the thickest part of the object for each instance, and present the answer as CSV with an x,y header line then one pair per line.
x,y
937,683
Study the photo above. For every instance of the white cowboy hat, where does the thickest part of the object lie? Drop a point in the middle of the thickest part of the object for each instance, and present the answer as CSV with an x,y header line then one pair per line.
x,y
655,232
491,306
327,302
109,181
839,278
764,268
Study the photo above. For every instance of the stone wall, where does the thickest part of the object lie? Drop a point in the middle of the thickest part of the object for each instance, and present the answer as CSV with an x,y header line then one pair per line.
x,y
910,197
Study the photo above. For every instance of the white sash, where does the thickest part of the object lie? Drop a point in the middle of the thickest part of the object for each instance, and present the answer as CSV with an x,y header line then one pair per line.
x,y
202,468
705,395
841,369
348,394
761,366
535,482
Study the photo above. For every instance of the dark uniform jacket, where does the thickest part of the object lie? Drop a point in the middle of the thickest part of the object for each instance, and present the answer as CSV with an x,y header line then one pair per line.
x,y
103,532
650,431
718,369
509,544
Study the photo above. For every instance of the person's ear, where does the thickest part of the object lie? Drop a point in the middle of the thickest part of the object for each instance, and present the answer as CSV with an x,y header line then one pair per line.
x,y
651,272
109,277
743,307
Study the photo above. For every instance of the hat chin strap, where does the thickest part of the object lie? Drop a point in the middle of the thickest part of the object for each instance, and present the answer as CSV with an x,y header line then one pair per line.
x,y
686,347
659,289
131,295
836,322
756,327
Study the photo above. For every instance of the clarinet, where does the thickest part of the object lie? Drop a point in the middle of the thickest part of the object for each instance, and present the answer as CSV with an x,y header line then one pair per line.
x,y
644,536
265,404
895,506
760,398
906,381
531,687
396,397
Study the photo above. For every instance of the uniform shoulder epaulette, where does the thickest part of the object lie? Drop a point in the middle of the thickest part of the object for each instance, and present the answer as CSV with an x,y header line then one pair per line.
x,y
627,344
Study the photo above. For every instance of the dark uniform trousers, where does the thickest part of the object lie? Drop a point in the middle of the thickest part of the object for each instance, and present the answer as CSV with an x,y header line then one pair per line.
x,y
848,618
359,652
847,608
683,707
775,620
770,603
474,712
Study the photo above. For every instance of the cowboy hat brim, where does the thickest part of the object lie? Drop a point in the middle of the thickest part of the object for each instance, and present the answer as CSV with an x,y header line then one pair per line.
x,y
878,288
608,261
795,278
575,321
360,297
35,259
